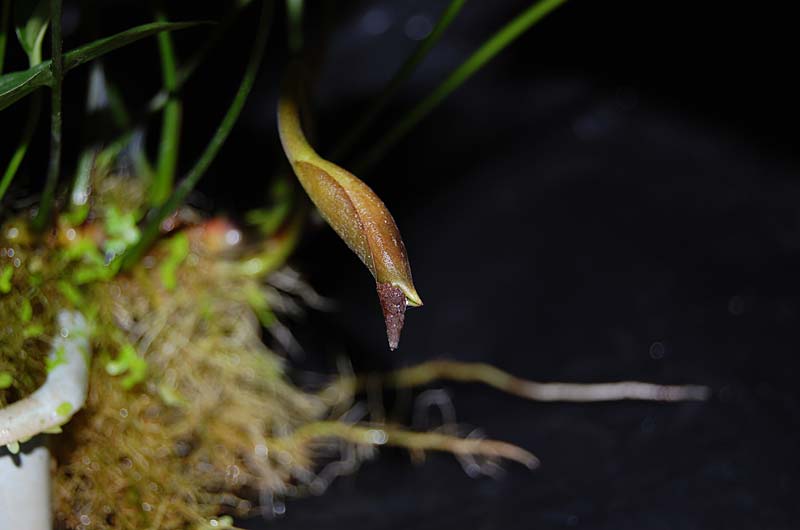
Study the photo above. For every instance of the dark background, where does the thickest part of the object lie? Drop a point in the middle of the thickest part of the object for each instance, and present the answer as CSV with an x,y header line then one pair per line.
x,y
615,197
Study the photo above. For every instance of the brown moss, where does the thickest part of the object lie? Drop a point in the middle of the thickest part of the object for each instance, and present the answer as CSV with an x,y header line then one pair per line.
x,y
189,441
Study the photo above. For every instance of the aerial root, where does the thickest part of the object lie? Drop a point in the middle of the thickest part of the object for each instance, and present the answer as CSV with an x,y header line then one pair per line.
x,y
422,374
379,434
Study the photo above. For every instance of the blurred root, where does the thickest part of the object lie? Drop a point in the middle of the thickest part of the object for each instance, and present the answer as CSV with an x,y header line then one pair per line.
x,y
381,434
425,373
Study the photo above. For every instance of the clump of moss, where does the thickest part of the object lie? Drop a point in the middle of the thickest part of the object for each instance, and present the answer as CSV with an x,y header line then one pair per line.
x,y
184,396
28,299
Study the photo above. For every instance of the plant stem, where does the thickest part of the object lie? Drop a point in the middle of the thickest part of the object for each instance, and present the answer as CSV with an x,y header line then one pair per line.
x,y
170,124
22,148
474,63
150,232
363,123
294,19
5,12
57,67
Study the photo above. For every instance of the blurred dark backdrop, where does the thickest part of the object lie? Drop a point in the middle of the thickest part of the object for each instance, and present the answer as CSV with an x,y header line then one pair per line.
x,y
615,197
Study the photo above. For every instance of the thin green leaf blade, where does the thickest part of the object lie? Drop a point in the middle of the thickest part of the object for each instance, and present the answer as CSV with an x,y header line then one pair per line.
x,y
100,47
31,18
16,85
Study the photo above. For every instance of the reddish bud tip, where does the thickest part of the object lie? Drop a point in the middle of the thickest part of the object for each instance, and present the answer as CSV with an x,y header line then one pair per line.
x,y
393,303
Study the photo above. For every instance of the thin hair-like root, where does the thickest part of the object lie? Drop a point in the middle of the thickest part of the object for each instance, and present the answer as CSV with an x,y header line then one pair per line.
x,y
422,374
381,434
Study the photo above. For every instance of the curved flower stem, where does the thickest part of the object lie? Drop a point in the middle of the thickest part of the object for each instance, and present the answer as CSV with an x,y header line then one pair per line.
x,y
363,123
430,371
151,230
475,62
353,210
57,67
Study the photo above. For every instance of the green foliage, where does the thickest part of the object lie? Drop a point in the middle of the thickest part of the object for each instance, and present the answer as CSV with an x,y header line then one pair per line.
x,y
24,142
151,230
71,293
26,311
486,52
177,252
121,230
129,364
31,18
5,279
363,123
5,14
58,359
166,166
64,409
16,85
186,307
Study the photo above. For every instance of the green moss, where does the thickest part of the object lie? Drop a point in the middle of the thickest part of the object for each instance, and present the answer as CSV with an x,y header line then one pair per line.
x,y
5,279
177,251
64,409
57,359
26,310
129,364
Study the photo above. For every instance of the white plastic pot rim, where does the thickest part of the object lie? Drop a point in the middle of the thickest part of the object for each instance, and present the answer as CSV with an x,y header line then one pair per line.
x,y
64,390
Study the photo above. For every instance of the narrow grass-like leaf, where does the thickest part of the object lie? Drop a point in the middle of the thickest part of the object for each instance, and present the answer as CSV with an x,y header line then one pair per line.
x,y
363,123
22,148
497,43
151,230
161,185
294,21
355,212
5,15
16,85
31,18
187,69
